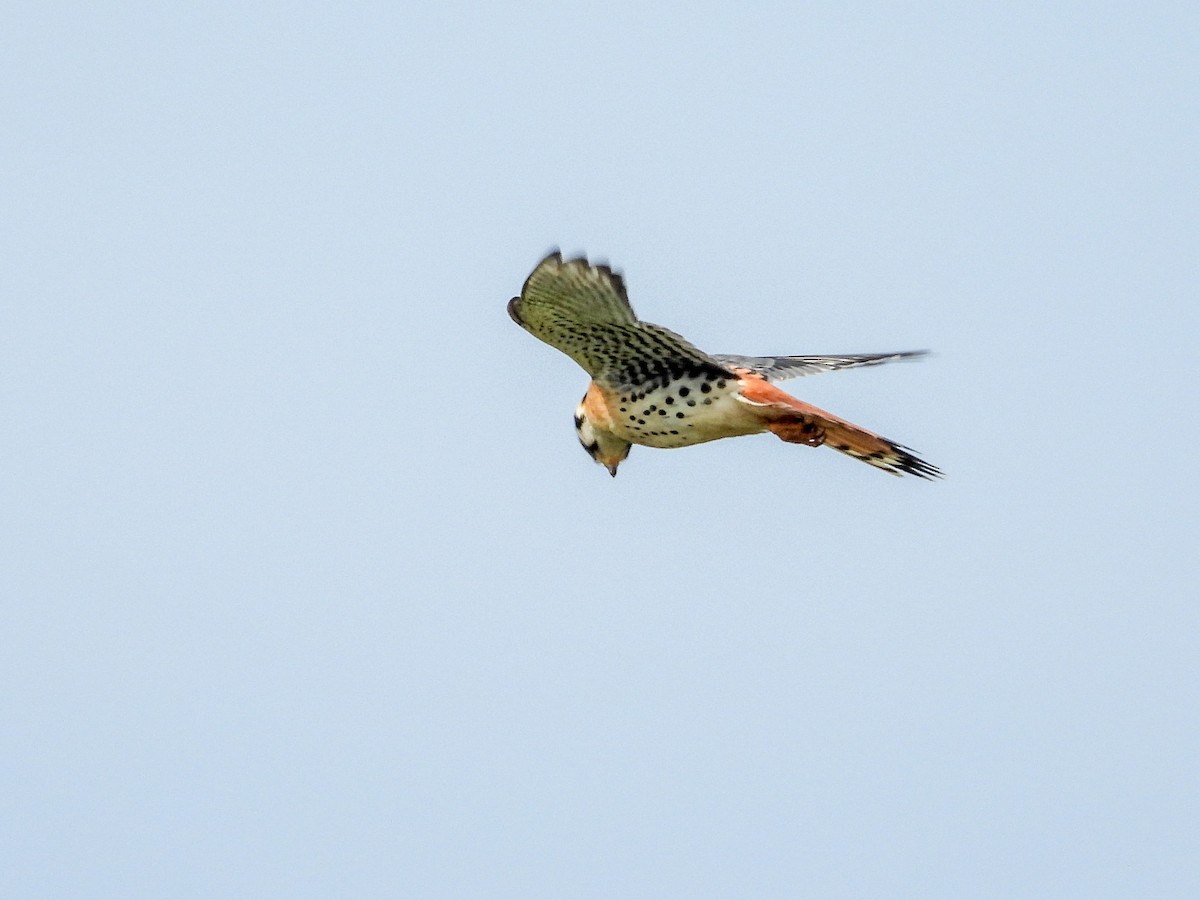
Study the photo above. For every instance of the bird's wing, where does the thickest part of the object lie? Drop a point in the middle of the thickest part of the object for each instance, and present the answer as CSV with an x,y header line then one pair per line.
x,y
778,368
583,310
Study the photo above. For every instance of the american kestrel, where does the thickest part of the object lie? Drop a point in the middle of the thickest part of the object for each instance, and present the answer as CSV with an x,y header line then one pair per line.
x,y
651,387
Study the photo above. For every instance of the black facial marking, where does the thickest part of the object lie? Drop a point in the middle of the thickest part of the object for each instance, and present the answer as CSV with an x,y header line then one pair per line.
x,y
578,420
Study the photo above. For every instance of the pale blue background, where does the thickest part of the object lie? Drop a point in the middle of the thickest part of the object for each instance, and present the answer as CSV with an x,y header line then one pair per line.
x,y
308,590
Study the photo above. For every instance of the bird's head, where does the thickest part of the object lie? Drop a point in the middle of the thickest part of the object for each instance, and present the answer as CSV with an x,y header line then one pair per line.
x,y
601,444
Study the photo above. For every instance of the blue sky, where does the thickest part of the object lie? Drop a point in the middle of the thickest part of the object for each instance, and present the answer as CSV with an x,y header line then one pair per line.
x,y
310,591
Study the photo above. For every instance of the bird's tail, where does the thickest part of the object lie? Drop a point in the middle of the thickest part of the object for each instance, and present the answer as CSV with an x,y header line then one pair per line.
x,y
819,427
798,422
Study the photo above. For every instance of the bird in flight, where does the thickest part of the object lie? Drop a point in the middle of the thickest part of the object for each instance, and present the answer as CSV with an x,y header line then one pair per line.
x,y
651,387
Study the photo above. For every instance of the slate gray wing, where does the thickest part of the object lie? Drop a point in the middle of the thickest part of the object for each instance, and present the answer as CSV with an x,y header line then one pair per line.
x,y
779,368
583,310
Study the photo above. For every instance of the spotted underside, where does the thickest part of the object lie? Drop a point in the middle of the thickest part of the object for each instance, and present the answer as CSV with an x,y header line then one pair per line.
x,y
690,409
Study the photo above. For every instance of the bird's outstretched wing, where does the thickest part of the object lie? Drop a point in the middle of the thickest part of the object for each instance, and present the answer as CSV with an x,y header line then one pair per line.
x,y
779,368
583,310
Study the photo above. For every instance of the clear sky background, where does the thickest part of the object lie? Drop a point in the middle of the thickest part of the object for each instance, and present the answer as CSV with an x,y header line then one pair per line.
x,y
309,591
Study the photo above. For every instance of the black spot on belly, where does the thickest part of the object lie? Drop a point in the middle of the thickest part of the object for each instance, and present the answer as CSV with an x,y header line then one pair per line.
x,y
683,391
669,401
705,388
679,415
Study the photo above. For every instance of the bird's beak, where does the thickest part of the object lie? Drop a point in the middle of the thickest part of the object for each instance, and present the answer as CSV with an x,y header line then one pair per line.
x,y
612,470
